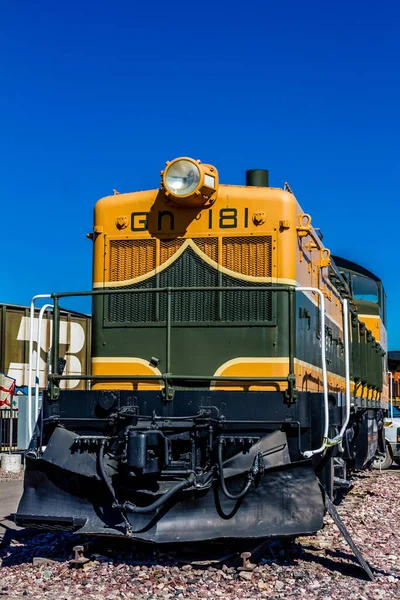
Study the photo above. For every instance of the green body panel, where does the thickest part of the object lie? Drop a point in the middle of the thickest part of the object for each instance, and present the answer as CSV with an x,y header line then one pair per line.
x,y
196,349
210,328
201,349
308,338
363,355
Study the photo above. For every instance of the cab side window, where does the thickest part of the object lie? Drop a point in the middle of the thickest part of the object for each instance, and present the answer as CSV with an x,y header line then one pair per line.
x,y
365,289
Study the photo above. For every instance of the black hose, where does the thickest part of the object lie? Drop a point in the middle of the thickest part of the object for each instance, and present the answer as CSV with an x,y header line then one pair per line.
x,y
102,471
132,508
128,507
246,486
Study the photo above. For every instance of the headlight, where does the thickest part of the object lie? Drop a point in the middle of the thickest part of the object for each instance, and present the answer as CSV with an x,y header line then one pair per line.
x,y
182,177
189,182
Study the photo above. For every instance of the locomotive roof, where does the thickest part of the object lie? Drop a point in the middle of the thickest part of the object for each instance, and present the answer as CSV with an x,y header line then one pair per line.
x,y
352,266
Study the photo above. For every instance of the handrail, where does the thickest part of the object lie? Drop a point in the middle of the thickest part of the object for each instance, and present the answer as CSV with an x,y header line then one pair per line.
x,y
325,439
390,392
346,366
163,376
196,288
30,352
168,290
168,377
39,345
338,439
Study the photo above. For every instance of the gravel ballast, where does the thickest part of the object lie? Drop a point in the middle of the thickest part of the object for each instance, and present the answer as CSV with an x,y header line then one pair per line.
x,y
7,476
321,566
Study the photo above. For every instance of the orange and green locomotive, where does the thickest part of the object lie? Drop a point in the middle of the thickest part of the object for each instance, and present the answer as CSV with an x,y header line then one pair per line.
x,y
235,375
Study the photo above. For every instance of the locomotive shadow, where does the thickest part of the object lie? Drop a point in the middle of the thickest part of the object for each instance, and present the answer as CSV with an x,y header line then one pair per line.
x,y
57,547
10,534
163,217
333,561
31,543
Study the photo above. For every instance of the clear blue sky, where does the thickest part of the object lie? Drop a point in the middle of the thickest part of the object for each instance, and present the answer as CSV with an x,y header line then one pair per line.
x,y
97,95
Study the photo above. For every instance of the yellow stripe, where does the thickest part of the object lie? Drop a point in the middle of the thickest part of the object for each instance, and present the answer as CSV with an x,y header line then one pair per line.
x,y
234,361
251,359
125,359
282,361
272,360
122,365
307,365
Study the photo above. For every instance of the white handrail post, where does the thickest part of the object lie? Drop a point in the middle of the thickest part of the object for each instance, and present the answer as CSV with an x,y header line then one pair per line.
x,y
39,345
346,365
391,393
31,329
310,453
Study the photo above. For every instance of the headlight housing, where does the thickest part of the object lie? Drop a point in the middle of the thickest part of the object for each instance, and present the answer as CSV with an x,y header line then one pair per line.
x,y
182,177
189,182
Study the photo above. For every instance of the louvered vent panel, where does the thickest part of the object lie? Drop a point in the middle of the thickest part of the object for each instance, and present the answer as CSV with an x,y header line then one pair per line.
x,y
248,255
132,308
168,248
209,246
190,271
246,306
131,258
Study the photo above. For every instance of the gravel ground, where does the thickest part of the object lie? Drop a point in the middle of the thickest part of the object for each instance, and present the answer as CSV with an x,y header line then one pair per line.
x,y
5,476
320,567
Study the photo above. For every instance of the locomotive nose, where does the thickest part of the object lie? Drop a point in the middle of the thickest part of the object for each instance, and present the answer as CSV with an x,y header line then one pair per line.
x,y
188,182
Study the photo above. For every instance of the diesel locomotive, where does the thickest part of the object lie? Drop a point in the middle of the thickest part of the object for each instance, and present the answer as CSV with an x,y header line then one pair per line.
x,y
237,370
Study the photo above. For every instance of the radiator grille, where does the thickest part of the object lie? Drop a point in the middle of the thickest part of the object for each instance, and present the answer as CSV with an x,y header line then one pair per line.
x,y
209,246
249,256
132,308
168,248
131,258
245,306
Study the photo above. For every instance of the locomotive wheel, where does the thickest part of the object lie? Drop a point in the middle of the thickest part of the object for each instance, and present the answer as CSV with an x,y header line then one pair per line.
x,y
383,462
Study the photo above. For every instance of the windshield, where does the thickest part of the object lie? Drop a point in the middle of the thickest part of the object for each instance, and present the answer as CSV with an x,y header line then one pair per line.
x,y
365,288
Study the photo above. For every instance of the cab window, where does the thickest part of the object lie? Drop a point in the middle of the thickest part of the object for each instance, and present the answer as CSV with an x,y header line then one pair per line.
x,y
365,289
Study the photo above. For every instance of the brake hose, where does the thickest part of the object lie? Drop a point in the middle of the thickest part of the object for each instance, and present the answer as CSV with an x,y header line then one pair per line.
x,y
132,508
250,474
102,471
110,488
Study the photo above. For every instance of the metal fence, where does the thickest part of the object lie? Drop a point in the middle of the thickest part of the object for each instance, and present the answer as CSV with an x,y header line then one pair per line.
x,y
8,429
